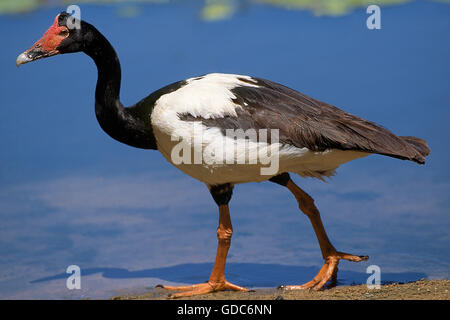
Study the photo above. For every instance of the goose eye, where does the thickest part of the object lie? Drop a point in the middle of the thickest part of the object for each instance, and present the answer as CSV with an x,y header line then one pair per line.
x,y
64,32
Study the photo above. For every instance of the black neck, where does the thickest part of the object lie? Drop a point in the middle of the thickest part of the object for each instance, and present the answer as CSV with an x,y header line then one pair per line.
x,y
122,124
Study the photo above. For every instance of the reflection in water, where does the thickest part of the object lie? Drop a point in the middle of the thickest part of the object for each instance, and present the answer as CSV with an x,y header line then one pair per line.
x,y
252,275
211,9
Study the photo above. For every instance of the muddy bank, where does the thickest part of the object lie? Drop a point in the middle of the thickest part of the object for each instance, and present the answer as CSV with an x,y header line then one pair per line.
x,y
419,290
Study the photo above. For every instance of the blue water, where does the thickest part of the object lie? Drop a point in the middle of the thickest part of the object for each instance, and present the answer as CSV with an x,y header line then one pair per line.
x,y
69,194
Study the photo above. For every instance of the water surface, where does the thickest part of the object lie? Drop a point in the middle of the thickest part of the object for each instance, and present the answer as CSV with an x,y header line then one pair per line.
x,y
71,195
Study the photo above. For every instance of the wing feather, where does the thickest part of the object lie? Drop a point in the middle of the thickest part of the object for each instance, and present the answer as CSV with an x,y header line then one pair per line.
x,y
305,122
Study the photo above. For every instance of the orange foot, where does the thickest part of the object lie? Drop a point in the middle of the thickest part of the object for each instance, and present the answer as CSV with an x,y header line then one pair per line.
x,y
201,288
328,271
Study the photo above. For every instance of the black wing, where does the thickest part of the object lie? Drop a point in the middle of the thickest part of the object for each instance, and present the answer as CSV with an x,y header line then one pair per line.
x,y
305,122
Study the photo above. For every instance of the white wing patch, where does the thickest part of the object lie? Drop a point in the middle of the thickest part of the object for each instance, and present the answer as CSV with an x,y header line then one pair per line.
x,y
208,97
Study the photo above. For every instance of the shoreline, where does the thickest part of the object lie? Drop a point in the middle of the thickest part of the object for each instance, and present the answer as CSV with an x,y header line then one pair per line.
x,y
417,290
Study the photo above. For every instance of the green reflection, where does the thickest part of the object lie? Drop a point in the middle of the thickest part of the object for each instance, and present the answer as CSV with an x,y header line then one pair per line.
x,y
18,6
217,9
212,10
328,7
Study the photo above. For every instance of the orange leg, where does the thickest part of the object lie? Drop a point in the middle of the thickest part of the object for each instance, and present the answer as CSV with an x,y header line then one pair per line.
x,y
217,280
329,253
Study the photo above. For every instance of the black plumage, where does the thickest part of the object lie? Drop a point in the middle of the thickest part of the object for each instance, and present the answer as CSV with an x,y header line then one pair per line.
x,y
305,122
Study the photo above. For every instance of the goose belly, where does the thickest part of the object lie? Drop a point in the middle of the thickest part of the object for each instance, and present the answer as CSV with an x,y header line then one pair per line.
x,y
215,159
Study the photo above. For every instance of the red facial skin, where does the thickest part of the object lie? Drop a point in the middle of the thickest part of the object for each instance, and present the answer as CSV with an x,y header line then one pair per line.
x,y
51,39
